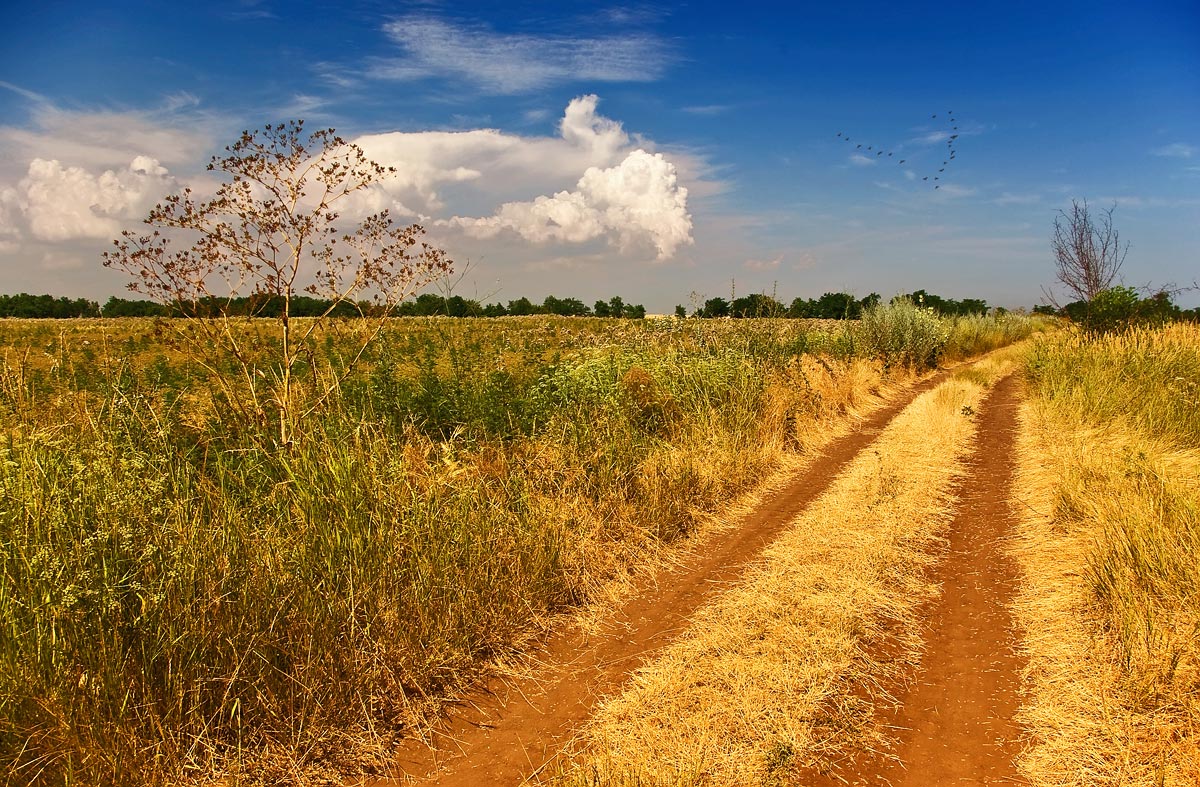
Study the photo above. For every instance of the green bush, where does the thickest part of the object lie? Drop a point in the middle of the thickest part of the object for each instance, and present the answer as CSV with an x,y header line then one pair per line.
x,y
902,334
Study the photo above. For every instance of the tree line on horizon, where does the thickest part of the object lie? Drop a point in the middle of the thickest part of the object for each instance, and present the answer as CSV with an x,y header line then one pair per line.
x,y
831,305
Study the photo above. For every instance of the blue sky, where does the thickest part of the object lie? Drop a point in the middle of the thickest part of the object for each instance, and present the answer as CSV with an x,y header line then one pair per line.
x,y
663,152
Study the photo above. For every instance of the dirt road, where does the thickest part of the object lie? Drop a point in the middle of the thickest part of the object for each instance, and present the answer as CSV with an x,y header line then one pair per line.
x,y
955,717
512,729
955,714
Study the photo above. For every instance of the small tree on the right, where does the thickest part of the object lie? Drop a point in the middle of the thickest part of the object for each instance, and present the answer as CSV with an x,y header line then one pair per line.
x,y
1087,251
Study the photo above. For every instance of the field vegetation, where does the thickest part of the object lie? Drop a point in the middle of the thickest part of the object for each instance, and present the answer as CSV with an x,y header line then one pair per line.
x,y
1109,546
184,597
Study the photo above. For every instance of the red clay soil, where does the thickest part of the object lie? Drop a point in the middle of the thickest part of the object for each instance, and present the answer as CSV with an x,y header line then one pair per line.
x,y
511,729
955,718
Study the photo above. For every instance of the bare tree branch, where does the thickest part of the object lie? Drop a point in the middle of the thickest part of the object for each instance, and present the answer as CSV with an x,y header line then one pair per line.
x,y
265,232
1088,254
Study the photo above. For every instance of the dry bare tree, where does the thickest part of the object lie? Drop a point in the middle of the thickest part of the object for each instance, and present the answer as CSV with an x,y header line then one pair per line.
x,y
272,231
1087,252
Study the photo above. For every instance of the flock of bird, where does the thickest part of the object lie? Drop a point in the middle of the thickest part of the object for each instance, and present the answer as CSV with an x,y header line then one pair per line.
x,y
951,151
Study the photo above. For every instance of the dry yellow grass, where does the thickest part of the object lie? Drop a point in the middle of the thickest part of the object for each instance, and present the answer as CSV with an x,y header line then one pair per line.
x,y
775,673
1113,669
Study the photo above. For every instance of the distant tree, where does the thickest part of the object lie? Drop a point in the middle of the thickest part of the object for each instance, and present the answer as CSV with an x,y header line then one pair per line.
x,y
494,310
458,306
1119,308
1088,254
715,307
634,311
573,307
565,307
601,309
837,306
24,305
756,305
269,229
681,311
29,306
802,308
429,304
521,307
1158,309
122,307
972,306
947,307
616,306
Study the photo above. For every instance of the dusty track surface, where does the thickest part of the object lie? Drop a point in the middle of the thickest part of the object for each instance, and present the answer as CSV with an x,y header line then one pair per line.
x,y
512,729
955,719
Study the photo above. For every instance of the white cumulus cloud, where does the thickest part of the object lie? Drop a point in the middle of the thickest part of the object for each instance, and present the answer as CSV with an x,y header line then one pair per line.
x,y
498,164
583,128
63,202
10,233
629,196
639,200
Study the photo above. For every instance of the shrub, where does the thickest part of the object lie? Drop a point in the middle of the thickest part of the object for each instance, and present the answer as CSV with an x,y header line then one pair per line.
x,y
902,333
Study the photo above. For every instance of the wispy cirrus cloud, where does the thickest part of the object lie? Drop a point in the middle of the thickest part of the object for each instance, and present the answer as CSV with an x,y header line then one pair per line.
x,y
1136,201
955,191
511,63
708,110
29,95
1176,150
251,9
933,137
1007,198
763,265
